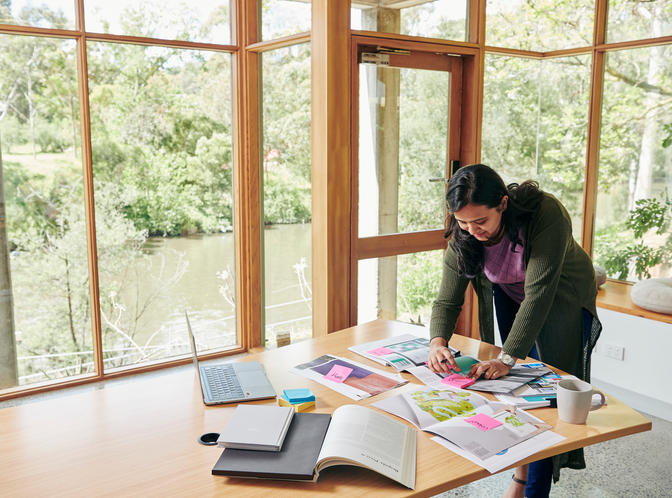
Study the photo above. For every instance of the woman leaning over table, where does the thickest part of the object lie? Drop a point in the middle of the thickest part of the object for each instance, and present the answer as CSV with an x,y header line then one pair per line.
x,y
514,244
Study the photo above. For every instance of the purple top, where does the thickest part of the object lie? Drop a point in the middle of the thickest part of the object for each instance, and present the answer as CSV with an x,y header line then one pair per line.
x,y
506,268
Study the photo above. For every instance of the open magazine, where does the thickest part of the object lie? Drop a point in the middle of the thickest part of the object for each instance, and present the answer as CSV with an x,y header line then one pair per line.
x,y
464,418
348,377
401,352
519,375
353,435
536,393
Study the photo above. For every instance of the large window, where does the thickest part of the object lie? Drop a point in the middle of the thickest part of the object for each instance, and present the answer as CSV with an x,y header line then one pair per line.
x,y
284,18
634,201
541,25
162,169
287,193
445,19
46,334
413,292
159,178
535,116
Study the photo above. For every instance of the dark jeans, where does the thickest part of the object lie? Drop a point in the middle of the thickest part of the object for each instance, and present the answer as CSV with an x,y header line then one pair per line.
x,y
540,472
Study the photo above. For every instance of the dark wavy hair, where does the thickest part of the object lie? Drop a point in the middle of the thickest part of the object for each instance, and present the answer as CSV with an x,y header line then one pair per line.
x,y
480,184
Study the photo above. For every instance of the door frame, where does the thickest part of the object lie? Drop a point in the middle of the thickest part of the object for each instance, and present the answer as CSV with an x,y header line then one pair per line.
x,y
463,139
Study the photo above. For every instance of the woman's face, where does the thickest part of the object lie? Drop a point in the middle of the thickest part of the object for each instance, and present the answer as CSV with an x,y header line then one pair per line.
x,y
481,221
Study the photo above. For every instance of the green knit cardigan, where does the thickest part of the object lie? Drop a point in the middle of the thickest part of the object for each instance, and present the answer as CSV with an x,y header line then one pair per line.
x,y
559,284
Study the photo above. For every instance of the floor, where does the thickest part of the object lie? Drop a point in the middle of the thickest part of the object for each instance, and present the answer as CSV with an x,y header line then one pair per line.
x,y
633,466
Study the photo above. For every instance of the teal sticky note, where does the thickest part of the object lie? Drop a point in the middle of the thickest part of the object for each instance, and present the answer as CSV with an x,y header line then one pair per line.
x,y
465,363
298,395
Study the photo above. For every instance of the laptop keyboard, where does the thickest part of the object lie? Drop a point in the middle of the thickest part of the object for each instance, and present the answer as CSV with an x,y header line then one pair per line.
x,y
223,382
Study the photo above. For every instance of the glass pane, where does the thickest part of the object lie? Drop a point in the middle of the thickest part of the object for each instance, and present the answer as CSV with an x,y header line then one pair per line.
x,y
168,19
535,119
284,17
445,19
403,129
398,287
45,330
287,193
541,25
628,20
632,231
47,14
162,143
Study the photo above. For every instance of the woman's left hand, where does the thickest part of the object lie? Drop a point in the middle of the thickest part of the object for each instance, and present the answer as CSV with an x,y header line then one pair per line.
x,y
490,369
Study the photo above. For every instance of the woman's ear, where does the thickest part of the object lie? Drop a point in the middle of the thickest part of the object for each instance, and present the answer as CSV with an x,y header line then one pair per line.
x,y
503,203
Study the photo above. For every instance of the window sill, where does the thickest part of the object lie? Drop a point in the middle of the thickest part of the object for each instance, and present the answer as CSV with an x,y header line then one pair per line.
x,y
615,295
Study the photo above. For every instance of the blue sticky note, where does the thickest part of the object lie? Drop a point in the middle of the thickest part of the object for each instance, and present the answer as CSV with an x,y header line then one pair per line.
x,y
298,395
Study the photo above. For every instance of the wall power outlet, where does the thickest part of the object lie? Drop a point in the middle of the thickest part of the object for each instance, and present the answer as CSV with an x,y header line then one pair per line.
x,y
613,351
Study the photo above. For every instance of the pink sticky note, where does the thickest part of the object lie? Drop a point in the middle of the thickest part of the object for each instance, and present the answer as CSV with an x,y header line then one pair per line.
x,y
380,351
457,380
483,422
338,373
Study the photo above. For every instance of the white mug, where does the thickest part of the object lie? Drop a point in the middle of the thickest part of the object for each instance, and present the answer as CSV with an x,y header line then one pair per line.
x,y
575,400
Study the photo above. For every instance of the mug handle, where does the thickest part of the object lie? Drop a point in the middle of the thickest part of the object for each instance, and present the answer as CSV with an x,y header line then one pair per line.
x,y
603,400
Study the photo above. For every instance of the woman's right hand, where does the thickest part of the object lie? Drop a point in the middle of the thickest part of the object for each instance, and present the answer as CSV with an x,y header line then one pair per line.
x,y
440,358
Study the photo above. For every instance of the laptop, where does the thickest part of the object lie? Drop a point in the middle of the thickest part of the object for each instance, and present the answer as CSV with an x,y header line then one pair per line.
x,y
230,382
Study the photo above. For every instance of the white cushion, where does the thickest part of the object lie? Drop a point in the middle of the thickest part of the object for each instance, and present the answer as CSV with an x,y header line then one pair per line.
x,y
600,275
654,294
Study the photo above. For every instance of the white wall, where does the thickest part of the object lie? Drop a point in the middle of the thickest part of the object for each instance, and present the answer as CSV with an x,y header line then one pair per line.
x,y
643,379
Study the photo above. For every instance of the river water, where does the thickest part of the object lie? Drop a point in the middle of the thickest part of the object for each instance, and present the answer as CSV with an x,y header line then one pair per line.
x,y
196,274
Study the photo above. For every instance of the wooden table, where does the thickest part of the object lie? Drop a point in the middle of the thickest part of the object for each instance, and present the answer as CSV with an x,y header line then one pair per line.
x,y
138,438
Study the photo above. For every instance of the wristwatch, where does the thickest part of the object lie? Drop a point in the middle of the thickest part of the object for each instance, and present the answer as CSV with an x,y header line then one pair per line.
x,y
507,359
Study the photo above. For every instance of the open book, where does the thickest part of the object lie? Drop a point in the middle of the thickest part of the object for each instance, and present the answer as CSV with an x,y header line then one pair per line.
x,y
402,351
353,435
464,418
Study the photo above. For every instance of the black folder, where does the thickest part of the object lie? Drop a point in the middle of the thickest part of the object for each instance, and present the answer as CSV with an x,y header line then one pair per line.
x,y
295,461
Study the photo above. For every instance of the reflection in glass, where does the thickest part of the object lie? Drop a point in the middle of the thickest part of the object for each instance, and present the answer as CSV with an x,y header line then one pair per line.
x,y
287,193
162,165
58,14
635,164
168,19
284,17
535,118
628,20
542,25
444,19
45,330
403,128
398,287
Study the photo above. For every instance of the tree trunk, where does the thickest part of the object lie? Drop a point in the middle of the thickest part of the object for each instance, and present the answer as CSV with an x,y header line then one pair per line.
x,y
649,135
8,363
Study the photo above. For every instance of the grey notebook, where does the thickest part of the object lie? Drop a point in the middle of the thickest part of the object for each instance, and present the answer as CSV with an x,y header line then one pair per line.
x,y
295,461
256,427
230,382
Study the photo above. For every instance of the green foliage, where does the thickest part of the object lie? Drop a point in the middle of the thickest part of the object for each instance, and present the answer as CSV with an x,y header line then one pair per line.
x,y
419,279
667,140
285,201
620,255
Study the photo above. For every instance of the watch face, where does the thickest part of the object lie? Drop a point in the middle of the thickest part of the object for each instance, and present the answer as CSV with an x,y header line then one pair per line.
x,y
507,359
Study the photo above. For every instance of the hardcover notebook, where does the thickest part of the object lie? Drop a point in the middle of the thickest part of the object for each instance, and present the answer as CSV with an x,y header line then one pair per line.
x,y
354,435
230,382
256,427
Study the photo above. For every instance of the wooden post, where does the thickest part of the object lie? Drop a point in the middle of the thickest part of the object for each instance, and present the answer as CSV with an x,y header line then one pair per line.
x,y
246,179
330,136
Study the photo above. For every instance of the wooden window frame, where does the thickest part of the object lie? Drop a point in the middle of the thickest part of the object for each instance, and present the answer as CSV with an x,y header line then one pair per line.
x,y
331,39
